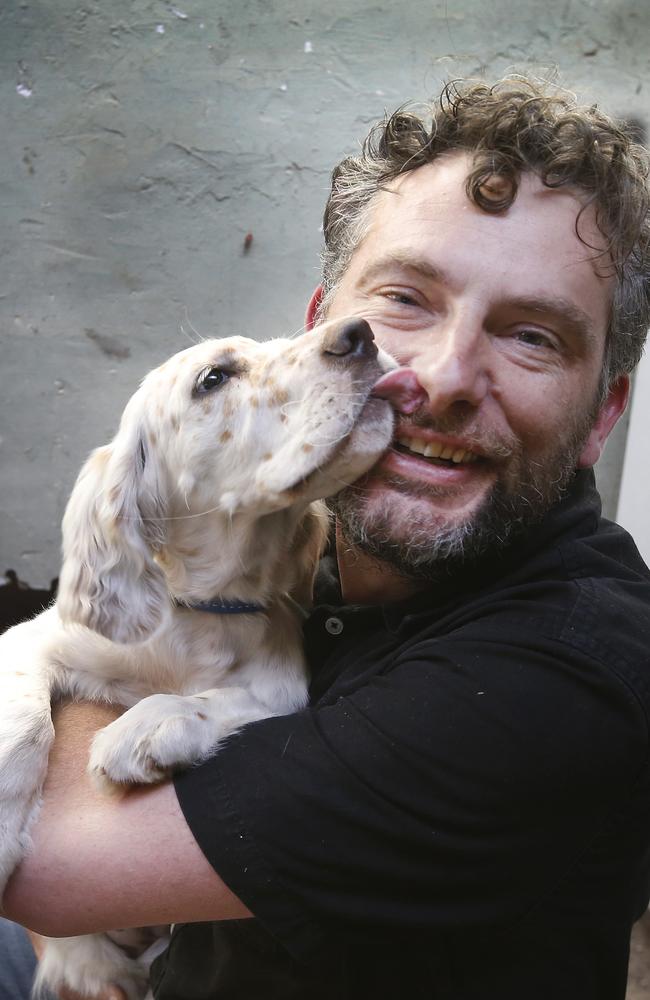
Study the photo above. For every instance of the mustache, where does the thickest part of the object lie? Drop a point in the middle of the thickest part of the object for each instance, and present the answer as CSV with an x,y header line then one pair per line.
x,y
475,438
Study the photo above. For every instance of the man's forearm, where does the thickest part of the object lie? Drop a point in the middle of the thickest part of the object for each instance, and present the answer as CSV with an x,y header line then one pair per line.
x,y
100,862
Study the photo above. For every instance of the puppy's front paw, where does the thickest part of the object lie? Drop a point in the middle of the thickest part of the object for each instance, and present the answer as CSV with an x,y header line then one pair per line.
x,y
89,966
156,736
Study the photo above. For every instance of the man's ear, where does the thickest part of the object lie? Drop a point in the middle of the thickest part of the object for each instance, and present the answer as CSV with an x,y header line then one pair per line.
x,y
312,309
610,411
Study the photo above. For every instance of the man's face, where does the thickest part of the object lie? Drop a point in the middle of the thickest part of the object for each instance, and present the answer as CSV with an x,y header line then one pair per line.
x,y
502,319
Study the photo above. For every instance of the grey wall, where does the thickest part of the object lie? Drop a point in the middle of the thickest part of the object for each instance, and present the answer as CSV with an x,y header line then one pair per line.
x,y
139,147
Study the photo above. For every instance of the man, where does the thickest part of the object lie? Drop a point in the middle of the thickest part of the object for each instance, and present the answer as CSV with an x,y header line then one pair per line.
x,y
464,810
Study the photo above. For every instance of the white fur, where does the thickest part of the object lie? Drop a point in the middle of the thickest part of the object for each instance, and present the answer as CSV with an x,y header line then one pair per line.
x,y
199,494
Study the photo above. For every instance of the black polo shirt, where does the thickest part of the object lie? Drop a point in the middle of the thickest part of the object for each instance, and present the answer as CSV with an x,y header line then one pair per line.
x,y
463,812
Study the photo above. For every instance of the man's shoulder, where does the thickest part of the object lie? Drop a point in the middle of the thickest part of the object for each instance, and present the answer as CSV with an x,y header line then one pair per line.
x,y
583,595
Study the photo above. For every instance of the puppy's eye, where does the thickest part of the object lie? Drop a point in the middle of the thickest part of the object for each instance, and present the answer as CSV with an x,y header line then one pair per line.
x,y
209,379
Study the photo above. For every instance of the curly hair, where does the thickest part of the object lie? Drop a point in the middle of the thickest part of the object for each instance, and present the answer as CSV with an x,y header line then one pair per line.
x,y
510,128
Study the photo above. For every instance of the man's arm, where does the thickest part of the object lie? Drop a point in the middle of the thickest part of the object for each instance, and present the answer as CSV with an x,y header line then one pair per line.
x,y
101,862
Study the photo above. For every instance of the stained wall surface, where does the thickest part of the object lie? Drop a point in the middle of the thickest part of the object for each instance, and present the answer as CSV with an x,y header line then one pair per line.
x,y
142,142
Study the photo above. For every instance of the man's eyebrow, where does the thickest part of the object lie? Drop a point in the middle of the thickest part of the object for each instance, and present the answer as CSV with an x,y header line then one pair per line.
x,y
405,261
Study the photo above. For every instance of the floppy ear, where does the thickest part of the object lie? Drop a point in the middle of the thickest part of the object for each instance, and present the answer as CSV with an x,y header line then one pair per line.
x,y
110,581
308,546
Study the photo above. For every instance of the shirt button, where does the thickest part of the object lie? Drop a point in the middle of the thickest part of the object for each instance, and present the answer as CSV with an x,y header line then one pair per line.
x,y
334,626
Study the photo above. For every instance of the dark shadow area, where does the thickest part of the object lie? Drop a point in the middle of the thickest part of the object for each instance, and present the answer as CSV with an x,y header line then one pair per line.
x,y
18,601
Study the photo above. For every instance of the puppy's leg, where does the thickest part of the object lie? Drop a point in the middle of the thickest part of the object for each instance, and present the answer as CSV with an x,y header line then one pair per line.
x,y
165,732
26,733
87,965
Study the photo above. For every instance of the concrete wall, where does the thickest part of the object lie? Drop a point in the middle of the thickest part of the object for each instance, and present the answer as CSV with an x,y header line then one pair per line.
x,y
142,142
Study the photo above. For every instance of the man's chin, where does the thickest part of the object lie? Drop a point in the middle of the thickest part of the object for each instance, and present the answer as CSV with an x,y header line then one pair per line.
x,y
420,534
427,534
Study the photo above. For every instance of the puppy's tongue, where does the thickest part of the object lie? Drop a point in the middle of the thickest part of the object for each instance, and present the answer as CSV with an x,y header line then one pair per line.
x,y
402,389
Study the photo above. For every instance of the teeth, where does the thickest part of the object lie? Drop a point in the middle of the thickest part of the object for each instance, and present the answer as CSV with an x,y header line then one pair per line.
x,y
431,449
414,444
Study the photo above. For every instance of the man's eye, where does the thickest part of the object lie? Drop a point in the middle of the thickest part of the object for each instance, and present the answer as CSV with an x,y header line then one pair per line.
x,y
535,338
210,379
401,298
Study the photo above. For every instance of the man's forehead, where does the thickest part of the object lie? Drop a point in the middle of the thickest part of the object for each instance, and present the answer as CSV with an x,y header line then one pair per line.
x,y
446,175
433,200
445,180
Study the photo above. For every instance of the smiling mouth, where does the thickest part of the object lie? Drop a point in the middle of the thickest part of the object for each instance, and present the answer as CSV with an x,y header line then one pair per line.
x,y
435,453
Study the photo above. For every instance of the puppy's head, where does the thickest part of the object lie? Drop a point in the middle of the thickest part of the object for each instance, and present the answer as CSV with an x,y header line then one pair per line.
x,y
242,425
228,426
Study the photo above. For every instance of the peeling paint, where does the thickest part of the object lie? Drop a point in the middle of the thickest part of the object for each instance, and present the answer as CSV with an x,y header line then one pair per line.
x,y
110,346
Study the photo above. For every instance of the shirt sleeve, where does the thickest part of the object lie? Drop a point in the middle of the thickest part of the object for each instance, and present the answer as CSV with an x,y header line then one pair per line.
x,y
454,790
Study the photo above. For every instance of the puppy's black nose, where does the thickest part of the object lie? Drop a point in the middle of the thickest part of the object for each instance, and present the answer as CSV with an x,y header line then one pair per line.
x,y
350,338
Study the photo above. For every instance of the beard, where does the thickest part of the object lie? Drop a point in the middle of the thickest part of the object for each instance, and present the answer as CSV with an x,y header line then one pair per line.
x,y
423,544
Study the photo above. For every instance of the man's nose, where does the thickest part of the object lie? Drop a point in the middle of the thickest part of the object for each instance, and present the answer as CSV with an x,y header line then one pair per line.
x,y
454,369
449,369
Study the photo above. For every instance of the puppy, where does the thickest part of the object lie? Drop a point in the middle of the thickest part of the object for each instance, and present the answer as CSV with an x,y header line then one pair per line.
x,y
188,543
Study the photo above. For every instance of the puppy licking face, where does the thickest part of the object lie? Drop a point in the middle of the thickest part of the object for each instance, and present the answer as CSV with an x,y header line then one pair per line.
x,y
248,425
226,429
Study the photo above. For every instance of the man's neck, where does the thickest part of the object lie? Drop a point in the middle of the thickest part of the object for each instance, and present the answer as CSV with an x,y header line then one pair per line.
x,y
365,580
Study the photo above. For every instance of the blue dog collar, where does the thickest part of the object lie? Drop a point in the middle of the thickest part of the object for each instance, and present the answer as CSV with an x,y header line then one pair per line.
x,y
221,606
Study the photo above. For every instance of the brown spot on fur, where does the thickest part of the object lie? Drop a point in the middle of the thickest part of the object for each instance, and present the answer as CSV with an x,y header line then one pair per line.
x,y
20,673
153,437
162,556
225,436
283,418
307,447
279,397
175,422
201,715
267,456
254,402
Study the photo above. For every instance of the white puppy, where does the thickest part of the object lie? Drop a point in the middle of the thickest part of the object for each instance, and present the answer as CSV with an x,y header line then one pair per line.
x,y
185,543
